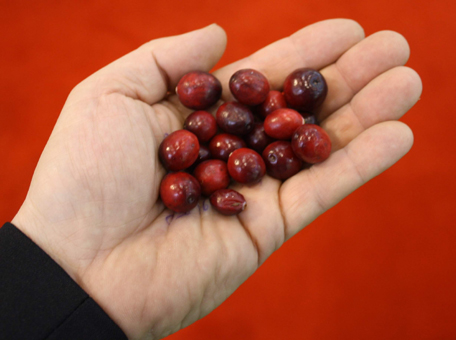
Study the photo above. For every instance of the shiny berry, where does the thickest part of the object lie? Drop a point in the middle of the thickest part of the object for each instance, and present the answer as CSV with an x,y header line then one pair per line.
x,y
249,87
228,202
257,139
281,123
305,89
246,166
281,162
202,124
222,145
180,191
212,175
199,90
310,118
274,100
203,155
179,150
311,143
234,118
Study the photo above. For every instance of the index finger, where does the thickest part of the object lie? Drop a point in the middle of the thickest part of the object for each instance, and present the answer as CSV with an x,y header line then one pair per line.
x,y
314,46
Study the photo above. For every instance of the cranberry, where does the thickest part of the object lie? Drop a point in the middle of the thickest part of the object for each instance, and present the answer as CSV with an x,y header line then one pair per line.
x,y
179,150
235,118
274,100
202,124
281,123
311,143
305,89
203,155
212,175
249,87
246,166
310,118
281,162
180,191
257,139
228,202
222,145
199,90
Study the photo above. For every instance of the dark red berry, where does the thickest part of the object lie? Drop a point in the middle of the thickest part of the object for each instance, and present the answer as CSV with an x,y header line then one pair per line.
x,y
305,89
202,124
179,150
281,123
257,139
222,145
246,166
228,202
310,118
249,87
212,175
203,155
281,162
234,118
199,90
311,143
274,100
180,191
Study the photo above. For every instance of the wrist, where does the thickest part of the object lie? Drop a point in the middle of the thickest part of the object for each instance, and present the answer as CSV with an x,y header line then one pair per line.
x,y
33,225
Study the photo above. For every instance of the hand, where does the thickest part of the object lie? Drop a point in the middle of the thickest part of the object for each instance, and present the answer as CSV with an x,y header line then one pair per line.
x,y
93,203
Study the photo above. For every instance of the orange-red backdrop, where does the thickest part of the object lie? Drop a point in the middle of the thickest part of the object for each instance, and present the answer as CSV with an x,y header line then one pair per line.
x,y
380,265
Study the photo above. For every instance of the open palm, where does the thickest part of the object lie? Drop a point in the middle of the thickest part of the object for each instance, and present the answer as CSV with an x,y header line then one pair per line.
x,y
93,203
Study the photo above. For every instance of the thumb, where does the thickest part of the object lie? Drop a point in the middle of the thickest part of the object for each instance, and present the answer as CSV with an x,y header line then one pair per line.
x,y
153,69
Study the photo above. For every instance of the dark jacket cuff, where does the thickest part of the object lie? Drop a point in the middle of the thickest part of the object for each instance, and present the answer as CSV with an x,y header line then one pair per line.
x,y
39,300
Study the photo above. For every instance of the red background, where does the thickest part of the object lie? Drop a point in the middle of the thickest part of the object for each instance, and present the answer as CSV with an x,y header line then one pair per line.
x,y
380,265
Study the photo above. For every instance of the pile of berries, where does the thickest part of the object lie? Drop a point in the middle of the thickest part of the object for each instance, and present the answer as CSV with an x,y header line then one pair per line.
x,y
264,131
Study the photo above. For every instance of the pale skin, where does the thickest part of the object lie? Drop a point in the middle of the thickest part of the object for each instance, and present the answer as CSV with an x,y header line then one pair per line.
x,y
93,202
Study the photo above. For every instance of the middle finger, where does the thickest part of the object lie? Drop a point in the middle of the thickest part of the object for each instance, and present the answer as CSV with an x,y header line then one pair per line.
x,y
359,65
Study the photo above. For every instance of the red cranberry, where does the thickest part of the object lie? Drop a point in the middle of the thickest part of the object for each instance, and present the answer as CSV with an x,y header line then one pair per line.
x,y
179,150
228,202
180,191
305,89
212,175
249,87
281,162
310,118
257,139
199,90
311,143
246,166
235,118
281,123
222,145
274,100
202,124
203,155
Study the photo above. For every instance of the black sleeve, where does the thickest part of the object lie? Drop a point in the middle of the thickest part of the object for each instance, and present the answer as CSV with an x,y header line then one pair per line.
x,y
39,300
